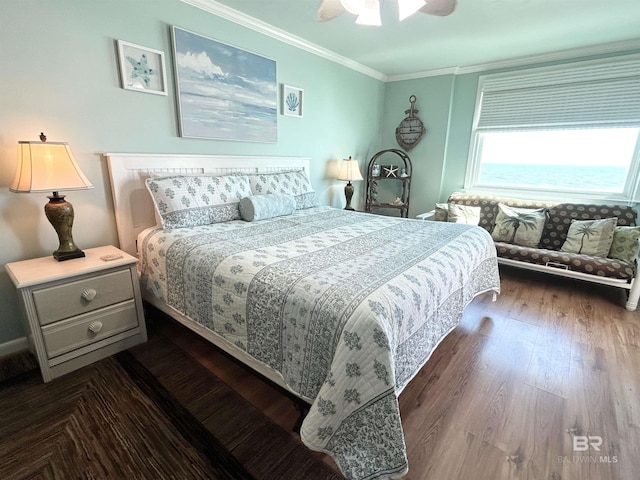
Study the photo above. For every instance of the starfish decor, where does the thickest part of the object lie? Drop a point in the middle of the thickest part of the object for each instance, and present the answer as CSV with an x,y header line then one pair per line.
x,y
390,171
141,69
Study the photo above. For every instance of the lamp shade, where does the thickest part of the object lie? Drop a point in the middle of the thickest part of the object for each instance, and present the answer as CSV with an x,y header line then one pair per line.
x,y
349,170
47,167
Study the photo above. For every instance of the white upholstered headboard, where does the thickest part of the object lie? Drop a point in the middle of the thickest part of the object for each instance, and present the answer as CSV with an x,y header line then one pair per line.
x,y
128,171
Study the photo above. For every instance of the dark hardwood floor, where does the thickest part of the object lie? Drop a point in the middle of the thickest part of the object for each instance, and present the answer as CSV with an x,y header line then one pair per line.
x,y
544,383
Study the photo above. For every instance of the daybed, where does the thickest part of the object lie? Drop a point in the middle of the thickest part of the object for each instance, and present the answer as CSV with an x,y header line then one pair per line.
x,y
616,265
342,308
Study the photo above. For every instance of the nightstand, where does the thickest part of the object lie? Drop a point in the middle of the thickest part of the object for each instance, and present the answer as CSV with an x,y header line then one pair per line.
x,y
427,215
79,311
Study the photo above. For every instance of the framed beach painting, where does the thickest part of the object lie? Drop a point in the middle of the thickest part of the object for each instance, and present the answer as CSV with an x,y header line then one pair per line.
x,y
142,68
224,92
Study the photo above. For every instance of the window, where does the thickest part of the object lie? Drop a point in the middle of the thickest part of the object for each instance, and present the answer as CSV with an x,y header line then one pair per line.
x,y
572,132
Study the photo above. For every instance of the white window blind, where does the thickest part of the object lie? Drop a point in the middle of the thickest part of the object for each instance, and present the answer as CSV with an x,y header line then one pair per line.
x,y
588,93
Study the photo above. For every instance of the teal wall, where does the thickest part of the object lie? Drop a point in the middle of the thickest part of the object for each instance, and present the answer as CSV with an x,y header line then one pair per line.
x,y
446,104
433,102
59,74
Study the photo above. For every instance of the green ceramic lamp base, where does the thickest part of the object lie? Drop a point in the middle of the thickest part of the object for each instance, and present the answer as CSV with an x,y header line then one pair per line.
x,y
60,215
348,193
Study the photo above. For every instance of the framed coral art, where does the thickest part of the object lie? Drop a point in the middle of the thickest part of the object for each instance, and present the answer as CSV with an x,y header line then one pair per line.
x,y
224,92
291,99
142,68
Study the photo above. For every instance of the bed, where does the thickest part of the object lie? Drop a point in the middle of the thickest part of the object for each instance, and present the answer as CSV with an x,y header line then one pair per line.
x,y
341,308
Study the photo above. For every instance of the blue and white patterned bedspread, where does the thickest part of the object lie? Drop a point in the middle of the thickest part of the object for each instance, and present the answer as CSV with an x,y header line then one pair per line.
x,y
346,306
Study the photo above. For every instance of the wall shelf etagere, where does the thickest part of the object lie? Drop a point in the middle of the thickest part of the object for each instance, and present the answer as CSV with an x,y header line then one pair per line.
x,y
402,175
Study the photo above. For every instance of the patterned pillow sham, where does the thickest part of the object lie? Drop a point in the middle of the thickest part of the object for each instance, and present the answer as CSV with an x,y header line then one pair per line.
x,y
189,201
292,182
269,205
520,226
590,237
463,214
625,244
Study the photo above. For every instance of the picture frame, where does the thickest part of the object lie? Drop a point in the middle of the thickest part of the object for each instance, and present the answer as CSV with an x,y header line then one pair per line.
x,y
291,101
224,92
142,69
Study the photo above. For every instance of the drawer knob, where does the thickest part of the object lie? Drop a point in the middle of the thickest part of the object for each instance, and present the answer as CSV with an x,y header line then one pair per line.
x,y
95,327
89,294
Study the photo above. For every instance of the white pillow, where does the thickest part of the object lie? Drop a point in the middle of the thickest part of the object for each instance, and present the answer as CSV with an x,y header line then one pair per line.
x,y
441,213
590,237
292,182
463,214
192,200
520,226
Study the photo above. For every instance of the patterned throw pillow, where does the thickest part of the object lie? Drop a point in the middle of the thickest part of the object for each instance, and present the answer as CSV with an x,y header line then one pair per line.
x,y
625,244
293,182
590,237
520,226
463,214
441,213
189,201
261,207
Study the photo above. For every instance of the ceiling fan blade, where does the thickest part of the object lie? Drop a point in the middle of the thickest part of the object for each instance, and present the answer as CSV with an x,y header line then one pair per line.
x,y
329,9
442,8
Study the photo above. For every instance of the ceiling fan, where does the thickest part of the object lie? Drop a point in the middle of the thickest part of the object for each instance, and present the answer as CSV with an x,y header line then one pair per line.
x,y
368,11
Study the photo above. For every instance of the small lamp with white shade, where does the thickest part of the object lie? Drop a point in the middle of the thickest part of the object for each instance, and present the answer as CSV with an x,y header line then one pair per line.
x,y
50,167
350,172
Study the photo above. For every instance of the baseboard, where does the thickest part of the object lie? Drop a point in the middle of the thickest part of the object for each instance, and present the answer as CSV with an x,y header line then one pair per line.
x,y
14,346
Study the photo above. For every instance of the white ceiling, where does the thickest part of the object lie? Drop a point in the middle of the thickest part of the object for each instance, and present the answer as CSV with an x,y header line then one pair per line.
x,y
478,32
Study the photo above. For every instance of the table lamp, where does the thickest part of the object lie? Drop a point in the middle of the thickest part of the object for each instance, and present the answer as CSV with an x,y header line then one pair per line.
x,y
349,171
50,167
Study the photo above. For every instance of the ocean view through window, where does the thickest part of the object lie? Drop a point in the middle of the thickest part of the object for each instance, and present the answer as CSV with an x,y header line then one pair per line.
x,y
577,160
559,131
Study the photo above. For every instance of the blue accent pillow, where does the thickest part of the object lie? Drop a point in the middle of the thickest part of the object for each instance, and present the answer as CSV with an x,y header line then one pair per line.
x,y
261,207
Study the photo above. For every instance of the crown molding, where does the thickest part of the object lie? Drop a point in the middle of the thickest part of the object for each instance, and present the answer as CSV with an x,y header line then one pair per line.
x,y
264,28
603,49
427,73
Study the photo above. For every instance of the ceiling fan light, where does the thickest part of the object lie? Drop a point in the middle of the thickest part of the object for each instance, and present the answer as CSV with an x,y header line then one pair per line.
x,y
371,14
406,8
354,7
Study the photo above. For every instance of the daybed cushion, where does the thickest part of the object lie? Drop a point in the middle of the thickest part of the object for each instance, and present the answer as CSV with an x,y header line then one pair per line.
x,y
293,182
590,237
520,226
601,266
560,214
625,244
270,205
192,200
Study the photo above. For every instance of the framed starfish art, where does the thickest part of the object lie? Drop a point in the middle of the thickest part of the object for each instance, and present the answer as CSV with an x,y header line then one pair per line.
x,y
142,68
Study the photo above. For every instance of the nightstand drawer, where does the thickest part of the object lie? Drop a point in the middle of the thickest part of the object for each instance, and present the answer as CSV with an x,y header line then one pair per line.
x,y
77,332
82,296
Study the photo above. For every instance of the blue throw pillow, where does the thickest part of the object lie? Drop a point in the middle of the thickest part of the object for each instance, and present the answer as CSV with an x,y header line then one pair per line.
x,y
261,207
